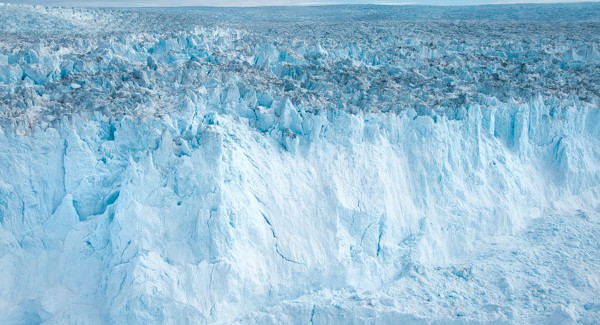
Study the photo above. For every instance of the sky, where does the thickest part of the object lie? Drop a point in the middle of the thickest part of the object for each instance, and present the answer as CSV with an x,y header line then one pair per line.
x,y
228,3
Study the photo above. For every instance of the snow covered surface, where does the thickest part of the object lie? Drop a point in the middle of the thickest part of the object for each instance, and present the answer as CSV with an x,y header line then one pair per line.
x,y
326,165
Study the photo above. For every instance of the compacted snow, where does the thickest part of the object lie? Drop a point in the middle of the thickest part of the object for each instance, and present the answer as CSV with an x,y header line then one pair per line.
x,y
346,164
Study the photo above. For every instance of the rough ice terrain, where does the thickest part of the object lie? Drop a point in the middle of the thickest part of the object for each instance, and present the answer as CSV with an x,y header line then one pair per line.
x,y
330,165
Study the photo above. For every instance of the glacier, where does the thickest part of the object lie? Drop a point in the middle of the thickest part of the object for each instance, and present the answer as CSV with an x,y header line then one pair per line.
x,y
345,164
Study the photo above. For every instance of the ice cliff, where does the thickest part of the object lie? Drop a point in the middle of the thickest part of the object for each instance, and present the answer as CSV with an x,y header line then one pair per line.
x,y
156,168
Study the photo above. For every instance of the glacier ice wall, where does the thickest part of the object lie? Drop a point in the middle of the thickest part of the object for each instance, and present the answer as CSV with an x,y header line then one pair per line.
x,y
191,178
139,221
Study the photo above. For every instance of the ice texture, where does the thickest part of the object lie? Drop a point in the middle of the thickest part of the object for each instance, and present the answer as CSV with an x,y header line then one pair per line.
x,y
347,164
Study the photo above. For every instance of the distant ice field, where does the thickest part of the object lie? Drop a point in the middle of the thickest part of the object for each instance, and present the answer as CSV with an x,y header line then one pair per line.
x,y
354,58
292,165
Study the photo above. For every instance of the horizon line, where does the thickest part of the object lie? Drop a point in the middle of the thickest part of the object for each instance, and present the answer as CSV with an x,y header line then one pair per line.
x,y
307,4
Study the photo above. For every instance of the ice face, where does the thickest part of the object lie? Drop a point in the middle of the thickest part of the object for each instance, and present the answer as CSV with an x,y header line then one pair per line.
x,y
156,168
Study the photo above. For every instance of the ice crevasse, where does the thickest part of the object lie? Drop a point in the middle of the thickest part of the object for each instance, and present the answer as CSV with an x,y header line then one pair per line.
x,y
207,197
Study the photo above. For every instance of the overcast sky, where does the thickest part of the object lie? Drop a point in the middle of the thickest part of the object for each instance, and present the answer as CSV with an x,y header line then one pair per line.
x,y
134,3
